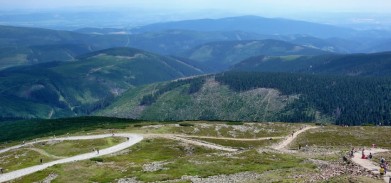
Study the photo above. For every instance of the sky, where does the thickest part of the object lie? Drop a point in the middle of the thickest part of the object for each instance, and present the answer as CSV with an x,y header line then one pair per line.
x,y
239,6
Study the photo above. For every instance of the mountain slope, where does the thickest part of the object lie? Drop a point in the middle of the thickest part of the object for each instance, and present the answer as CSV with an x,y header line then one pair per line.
x,y
71,88
377,64
201,99
260,25
16,56
223,54
244,96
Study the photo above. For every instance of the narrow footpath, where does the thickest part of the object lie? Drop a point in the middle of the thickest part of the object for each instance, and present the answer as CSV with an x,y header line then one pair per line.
x,y
283,145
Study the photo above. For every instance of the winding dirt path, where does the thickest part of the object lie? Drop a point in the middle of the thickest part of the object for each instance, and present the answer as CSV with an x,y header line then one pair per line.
x,y
282,146
192,141
133,139
229,138
368,164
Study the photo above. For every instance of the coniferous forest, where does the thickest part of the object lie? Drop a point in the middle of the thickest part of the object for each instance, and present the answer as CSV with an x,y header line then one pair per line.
x,y
349,100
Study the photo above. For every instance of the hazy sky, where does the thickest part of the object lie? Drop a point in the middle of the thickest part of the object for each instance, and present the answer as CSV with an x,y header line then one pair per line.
x,y
242,6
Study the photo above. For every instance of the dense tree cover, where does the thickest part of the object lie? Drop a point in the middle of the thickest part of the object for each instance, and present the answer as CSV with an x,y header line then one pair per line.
x,y
349,100
375,64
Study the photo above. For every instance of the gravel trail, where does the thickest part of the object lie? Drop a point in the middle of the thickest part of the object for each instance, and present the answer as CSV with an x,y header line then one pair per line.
x,y
133,139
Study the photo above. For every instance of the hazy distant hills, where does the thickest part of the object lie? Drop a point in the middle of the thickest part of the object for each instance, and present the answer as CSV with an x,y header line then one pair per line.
x,y
16,56
221,55
377,64
26,46
69,88
254,24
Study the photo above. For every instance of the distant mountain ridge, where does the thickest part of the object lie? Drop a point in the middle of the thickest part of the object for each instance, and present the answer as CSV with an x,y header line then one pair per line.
x,y
223,54
376,64
255,24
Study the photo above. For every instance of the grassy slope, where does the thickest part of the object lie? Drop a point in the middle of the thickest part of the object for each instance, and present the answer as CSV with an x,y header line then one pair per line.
x,y
21,158
180,162
30,129
72,148
345,137
25,157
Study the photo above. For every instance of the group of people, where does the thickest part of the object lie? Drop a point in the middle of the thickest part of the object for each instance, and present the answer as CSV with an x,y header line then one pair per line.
x,y
383,163
383,166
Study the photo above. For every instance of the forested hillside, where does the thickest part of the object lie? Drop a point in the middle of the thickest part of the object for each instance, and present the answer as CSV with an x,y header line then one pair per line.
x,y
60,89
376,64
251,96
348,100
223,54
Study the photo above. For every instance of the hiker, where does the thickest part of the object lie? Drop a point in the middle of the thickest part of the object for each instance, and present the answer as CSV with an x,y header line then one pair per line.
x,y
1,170
41,160
299,146
381,170
97,150
370,156
128,138
344,159
352,153
382,160
23,142
363,154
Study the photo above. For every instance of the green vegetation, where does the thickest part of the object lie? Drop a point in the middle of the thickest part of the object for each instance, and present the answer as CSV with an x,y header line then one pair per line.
x,y
55,89
247,130
377,64
21,158
252,96
221,55
345,137
211,101
72,148
30,129
240,144
347,100
176,160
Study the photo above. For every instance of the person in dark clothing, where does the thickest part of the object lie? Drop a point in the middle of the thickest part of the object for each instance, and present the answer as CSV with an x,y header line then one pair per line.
x,y
1,170
41,160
